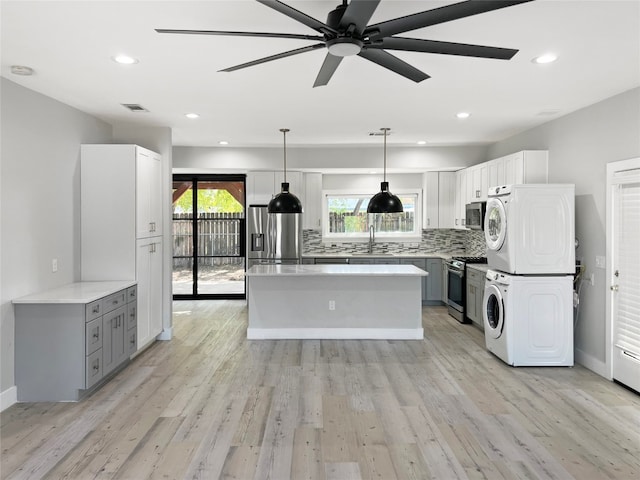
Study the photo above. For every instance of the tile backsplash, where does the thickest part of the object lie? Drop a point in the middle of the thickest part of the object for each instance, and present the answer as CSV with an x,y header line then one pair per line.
x,y
469,242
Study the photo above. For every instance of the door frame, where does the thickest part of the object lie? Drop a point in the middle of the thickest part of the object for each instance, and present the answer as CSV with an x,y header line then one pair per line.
x,y
612,169
212,177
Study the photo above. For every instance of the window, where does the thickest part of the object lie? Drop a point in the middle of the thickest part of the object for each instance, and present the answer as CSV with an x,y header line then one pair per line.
x,y
345,217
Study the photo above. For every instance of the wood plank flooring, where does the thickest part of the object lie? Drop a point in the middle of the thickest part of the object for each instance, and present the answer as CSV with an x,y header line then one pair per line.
x,y
211,405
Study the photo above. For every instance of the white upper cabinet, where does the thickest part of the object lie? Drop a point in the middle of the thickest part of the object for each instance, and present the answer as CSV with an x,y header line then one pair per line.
x,y
430,181
262,186
477,183
312,205
148,193
461,195
496,172
527,166
446,199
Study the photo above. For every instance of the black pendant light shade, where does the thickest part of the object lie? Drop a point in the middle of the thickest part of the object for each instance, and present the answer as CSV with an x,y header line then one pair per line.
x,y
285,202
385,201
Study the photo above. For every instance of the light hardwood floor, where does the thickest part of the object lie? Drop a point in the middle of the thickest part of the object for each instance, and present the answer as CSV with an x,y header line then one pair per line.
x,y
209,404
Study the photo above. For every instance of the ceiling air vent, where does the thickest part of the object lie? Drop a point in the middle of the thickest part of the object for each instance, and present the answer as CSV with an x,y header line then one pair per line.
x,y
378,134
134,107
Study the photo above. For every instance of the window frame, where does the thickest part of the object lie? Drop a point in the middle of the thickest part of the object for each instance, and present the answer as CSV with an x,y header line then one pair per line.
x,y
328,237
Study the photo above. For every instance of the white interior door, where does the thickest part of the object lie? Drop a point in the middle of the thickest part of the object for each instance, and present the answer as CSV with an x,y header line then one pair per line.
x,y
623,271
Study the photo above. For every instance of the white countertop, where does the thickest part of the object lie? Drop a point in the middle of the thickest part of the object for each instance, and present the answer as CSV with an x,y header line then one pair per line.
x,y
329,270
441,255
80,292
482,267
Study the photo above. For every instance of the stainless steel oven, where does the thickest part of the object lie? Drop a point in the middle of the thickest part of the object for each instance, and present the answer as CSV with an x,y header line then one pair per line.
x,y
457,285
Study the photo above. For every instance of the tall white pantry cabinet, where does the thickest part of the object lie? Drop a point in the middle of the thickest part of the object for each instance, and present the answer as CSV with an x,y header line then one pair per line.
x,y
121,225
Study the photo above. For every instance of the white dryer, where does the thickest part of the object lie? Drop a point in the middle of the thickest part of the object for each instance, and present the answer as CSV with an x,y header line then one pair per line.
x,y
530,229
528,320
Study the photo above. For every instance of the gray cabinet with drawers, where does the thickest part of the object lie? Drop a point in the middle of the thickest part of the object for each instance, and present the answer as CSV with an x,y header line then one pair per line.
x,y
71,338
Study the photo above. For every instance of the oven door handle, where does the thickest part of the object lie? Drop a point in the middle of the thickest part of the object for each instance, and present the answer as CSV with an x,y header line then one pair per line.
x,y
457,273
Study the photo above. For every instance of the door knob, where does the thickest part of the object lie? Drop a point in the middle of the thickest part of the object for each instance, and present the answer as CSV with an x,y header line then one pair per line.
x,y
614,288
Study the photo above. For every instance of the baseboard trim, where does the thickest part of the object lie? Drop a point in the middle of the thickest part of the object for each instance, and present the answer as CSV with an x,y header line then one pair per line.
x,y
592,363
8,398
335,333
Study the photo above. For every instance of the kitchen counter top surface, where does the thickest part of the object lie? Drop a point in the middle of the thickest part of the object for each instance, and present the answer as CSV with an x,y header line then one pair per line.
x,y
335,270
444,256
80,292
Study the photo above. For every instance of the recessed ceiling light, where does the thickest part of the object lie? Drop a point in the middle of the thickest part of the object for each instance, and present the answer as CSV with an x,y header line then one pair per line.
x,y
545,58
223,142
463,114
21,70
125,59
421,142
192,115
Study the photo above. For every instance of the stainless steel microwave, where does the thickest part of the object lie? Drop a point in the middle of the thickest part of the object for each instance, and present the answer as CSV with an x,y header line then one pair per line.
x,y
475,215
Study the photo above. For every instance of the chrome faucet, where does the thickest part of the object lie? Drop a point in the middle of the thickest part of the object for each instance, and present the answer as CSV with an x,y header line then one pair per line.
x,y
372,237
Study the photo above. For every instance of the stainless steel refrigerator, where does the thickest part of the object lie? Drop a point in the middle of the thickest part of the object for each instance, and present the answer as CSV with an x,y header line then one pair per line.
x,y
273,237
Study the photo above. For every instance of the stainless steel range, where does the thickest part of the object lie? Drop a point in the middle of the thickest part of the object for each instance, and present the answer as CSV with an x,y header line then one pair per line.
x,y
457,285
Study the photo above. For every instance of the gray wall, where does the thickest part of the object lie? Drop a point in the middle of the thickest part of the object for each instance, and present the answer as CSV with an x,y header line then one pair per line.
x,y
40,199
322,158
580,145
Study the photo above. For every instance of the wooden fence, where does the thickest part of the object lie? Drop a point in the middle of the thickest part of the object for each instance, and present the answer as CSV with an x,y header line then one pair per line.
x,y
350,223
219,239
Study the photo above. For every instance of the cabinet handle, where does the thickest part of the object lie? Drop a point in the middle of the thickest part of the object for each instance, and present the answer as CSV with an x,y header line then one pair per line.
x,y
132,341
477,193
96,366
428,222
96,335
96,309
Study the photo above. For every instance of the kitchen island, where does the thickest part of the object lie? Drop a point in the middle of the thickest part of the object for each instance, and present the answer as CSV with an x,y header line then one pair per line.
x,y
335,302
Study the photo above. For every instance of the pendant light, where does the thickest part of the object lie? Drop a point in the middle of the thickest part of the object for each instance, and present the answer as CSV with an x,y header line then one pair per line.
x,y
285,202
384,201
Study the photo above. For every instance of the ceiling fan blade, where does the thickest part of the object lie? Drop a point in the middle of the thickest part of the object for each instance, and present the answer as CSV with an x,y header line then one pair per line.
x,y
437,15
327,70
445,48
242,34
386,60
274,57
359,13
297,15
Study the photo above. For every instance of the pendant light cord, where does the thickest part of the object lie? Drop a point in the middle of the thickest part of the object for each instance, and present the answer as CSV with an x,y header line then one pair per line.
x,y
384,168
284,136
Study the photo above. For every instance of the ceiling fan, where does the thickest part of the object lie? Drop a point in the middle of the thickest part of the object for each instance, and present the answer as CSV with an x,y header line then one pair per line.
x,y
346,33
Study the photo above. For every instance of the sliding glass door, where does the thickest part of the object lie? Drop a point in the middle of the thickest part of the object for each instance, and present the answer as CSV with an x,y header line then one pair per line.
x,y
208,236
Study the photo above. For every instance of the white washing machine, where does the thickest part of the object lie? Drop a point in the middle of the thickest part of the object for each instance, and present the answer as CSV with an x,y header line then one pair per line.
x,y
530,229
528,320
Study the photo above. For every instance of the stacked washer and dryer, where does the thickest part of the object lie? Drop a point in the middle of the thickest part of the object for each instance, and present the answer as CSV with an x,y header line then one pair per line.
x,y
528,296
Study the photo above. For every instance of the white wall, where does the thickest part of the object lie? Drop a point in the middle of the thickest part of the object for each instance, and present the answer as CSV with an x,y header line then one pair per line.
x,y
240,160
371,182
580,145
40,200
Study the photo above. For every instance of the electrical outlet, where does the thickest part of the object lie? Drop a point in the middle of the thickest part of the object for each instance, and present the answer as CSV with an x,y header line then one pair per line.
x,y
600,261
332,304
592,280
54,265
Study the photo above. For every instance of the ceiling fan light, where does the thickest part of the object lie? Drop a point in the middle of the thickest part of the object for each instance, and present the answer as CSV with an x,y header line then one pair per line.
x,y
344,47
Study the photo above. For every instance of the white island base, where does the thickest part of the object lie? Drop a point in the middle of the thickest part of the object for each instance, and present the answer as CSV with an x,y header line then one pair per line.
x,y
335,302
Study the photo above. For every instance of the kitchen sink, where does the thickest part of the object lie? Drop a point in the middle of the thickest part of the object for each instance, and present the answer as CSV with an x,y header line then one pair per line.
x,y
373,254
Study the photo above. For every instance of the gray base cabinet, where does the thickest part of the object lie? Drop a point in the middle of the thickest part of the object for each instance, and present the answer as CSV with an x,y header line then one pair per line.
x,y
475,293
67,342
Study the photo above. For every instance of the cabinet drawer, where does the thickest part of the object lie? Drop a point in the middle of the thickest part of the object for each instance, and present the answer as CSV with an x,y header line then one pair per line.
x,y
132,293
93,368
132,315
132,341
93,336
93,310
474,276
114,301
